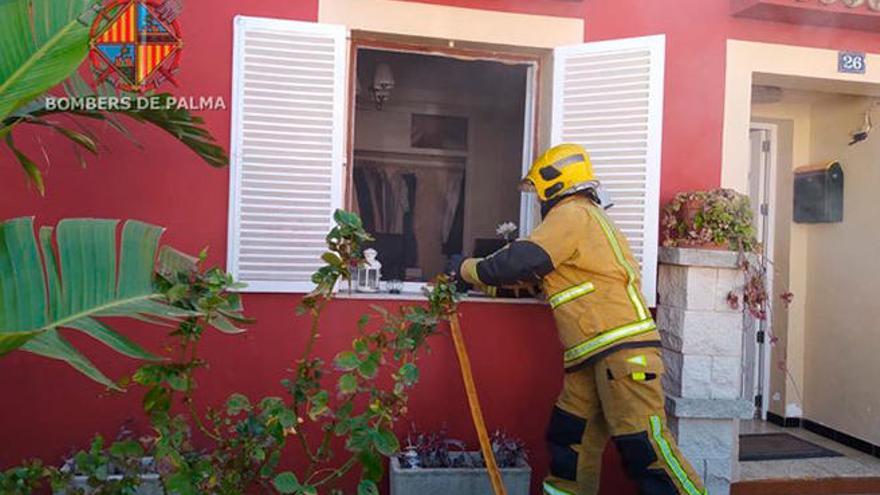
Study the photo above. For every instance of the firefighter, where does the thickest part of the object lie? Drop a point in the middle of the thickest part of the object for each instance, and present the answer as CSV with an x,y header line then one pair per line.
x,y
612,355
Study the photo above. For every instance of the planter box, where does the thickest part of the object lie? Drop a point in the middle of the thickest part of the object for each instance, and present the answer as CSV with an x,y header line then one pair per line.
x,y
458,481
150,482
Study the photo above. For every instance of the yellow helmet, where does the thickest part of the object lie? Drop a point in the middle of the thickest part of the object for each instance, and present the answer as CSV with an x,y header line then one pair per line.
x,y
562,169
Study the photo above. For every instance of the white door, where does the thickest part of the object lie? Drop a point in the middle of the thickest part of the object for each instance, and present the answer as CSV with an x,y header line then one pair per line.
x,y
608,97
757,337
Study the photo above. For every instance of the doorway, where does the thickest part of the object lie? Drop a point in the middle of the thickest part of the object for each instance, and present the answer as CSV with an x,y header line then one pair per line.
x,y
439,145
762,184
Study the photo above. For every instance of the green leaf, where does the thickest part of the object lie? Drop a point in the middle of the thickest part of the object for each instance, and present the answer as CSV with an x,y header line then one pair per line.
x,y
179,483
66,284
347,361
409,373
385,442
157,400
308,490
319,403
287,418
332,259
362,321
12,341
171,262
372,465
271,403
269,467
347,383
369,367
77,137
52,345
30,168
183,126
127,448
41,43
347,219
360,439
237,403
178,381
286,483
223,324
368,487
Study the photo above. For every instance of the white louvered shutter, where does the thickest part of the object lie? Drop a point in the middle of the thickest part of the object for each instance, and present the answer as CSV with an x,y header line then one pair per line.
x,y
608,97
288,131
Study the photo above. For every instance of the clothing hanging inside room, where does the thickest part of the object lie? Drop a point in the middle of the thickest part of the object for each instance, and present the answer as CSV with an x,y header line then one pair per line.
x,y
382,195
411,204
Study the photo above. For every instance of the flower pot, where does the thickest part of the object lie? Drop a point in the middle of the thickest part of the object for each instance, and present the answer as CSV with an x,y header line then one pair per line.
x,y
689,210
150,482
459,481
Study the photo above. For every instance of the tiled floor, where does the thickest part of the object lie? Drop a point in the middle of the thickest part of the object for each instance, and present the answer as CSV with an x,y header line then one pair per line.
x,y
854,463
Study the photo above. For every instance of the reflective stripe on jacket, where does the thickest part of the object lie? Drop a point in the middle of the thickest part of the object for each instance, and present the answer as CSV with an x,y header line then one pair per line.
x,y
587,270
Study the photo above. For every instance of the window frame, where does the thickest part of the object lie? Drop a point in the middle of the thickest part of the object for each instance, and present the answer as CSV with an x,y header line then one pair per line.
x,y
535,60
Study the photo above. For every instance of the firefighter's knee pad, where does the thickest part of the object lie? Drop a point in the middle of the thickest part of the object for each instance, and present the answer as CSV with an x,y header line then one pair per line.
x,y
637,452
564,435
638,455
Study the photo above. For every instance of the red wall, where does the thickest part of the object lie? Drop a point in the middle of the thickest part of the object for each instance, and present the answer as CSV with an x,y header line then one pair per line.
x,y
48,409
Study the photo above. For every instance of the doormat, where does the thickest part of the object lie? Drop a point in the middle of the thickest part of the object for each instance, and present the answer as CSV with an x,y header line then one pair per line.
x,y
778,446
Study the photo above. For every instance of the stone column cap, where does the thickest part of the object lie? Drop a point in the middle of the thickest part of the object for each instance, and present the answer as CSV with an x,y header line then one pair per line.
x,y
709,408
713,258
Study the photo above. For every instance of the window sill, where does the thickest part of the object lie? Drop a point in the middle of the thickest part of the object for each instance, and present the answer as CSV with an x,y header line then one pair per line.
x,y
418,296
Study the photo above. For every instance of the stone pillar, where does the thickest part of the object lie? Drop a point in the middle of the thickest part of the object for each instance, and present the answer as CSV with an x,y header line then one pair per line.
x,y
703,345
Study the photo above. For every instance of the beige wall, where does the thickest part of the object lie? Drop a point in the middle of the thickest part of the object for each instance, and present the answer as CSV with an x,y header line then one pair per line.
x,y
452,23
747,61
842,352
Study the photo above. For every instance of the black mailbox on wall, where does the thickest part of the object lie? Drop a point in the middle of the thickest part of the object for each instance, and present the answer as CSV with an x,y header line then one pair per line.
x,y
818,194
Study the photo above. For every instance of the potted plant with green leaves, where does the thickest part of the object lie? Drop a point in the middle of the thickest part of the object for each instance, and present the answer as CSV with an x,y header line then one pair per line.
x,y
716,219
434,464
121,467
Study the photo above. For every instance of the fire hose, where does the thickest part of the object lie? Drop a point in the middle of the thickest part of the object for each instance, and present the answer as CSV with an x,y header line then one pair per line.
x,y
474,403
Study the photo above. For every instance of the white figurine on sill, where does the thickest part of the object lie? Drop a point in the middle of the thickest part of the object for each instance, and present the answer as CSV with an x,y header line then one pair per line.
x,y
369,274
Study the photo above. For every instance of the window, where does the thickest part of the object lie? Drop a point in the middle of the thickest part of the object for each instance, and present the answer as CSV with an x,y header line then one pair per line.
x,y
437,158
436,154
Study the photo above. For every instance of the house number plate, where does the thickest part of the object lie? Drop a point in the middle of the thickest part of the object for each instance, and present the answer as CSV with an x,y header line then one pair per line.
x,y
851,62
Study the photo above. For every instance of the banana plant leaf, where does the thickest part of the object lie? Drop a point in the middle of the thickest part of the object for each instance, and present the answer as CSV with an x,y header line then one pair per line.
x,y
41,43
70,283
182,125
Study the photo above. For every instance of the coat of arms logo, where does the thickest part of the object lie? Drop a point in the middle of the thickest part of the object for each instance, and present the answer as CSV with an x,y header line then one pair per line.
x,y
136,44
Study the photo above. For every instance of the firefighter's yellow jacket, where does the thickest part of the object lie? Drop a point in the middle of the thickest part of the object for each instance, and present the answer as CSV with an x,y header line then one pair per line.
x,y
589,274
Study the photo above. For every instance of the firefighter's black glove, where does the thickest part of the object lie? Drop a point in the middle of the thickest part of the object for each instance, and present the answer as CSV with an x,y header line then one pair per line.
x,y
453,269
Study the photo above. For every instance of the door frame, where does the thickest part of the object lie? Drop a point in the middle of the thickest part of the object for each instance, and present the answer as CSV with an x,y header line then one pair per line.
x,y
768,182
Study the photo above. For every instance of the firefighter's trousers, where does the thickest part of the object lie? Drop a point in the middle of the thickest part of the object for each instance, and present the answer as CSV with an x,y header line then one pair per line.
x,y
619,396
